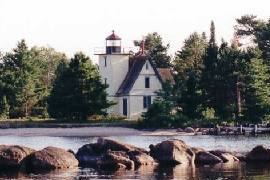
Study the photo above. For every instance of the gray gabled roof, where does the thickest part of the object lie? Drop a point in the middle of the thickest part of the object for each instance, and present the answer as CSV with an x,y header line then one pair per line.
x,y
136,65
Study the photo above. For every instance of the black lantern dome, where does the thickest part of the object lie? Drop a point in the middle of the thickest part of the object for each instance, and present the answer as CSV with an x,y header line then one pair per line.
x,y
113,44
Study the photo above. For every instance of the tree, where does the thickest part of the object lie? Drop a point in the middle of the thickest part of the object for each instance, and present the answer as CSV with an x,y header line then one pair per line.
x,y
229,78
188,64
4,107
258,31
78,91
210,70
257,92
20,80
48,60
156,50
164,112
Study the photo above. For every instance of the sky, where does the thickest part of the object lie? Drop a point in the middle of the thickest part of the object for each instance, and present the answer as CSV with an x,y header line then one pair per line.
x,y
82,25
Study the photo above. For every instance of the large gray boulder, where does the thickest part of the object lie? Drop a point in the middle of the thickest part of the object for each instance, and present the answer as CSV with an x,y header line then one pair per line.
x,y
226,157
204,157
13,156
51,158
115,160
140,158
172,152
95,154
108,144
259,153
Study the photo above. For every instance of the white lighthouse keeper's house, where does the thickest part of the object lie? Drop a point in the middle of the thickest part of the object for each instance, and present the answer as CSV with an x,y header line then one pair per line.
x,y
133,80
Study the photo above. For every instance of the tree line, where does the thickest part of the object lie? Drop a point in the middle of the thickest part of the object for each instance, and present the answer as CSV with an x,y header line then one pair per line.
x,y
41,82
213,83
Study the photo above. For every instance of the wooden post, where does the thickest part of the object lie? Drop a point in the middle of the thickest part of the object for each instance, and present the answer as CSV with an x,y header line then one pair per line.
x,y
255,129
238,97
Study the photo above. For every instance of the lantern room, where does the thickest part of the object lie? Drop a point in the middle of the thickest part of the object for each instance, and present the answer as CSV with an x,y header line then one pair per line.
x,y
113,44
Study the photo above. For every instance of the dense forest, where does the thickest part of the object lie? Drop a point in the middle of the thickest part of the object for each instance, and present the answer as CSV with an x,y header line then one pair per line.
x,y
214,83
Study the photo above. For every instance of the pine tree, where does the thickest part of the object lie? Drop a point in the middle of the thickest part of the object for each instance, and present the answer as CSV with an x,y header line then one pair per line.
x,y
157,51
257,92
20,79
188,65
208,82
78,91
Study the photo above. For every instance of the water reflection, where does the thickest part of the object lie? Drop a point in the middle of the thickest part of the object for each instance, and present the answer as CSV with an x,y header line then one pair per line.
x,y
236,171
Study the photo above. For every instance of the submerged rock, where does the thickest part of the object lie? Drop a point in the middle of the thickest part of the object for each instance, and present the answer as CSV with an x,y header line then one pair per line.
x,y
13,156
52,158
259,153
172,152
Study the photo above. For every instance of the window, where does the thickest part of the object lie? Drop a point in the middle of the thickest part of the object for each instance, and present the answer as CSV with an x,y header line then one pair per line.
x,y
147,82
105,61
146,66
125,106
146,101
105,80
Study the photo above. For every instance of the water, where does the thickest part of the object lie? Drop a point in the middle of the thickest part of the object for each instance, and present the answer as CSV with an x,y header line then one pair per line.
x,y
219,172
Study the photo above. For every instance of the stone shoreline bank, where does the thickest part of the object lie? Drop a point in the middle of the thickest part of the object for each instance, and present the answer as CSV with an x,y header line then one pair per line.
x,y
113,155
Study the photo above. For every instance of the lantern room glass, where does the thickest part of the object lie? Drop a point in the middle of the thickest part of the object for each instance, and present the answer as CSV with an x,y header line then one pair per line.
x,y
113,43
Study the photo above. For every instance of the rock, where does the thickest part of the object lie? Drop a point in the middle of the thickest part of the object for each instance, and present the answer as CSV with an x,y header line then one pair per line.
x,y
13,156
240,156
172,152
115,160
189,130
196,149
89,154
204,157
141,158
259,153
179,130
226,157
107,144
52,158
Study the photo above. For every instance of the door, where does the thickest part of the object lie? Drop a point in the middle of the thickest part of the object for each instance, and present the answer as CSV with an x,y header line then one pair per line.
x,y
125,106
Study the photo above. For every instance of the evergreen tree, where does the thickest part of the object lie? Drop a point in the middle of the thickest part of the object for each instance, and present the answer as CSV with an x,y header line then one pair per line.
x,y
209,74
48,60
78,91
257,30
257,92
20,79
156,50
188,66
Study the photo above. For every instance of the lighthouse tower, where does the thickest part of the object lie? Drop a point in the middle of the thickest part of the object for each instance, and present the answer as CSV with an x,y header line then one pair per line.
x,y
113,67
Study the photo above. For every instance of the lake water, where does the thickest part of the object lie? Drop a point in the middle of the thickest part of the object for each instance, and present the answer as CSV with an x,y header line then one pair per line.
x,y
220,171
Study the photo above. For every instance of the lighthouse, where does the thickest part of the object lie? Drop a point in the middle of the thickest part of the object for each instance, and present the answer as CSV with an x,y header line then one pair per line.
x,y
133,80
113,67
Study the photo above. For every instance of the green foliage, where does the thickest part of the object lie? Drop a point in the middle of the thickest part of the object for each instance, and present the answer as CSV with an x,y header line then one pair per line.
x,y
20,80
164,112
257,92
251,27
78,91
26,79
4,108
188,64
156,50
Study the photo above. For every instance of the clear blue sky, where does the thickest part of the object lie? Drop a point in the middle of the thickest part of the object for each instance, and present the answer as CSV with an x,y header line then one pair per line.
x,y
81,25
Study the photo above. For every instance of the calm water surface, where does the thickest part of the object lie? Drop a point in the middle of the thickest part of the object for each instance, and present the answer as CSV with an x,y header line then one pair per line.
x,y
220,171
